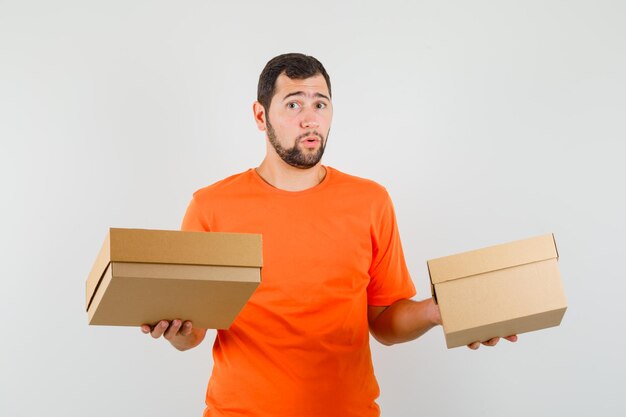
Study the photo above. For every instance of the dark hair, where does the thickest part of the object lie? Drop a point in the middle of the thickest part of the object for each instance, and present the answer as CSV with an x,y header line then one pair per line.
x,y
295,66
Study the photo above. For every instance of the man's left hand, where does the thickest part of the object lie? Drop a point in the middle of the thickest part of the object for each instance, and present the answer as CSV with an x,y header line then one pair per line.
x,y
491,342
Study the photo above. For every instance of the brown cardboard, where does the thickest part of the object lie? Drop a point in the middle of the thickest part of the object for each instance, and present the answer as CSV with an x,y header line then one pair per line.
x,y
142,276
501,290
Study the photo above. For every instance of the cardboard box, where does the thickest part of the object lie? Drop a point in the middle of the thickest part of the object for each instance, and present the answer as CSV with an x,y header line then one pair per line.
x,y
143,276
498,291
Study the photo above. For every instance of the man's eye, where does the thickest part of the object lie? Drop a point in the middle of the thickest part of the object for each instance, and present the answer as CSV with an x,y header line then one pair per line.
x,y
292,105
321,105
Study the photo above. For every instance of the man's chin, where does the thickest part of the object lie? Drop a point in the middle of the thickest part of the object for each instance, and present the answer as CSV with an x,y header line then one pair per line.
x,y
304,164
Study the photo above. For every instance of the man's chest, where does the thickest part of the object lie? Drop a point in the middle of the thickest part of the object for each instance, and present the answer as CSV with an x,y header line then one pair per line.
x,y
306,247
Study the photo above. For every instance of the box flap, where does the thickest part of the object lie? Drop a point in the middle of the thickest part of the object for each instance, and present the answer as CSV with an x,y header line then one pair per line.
x,y
97,270
98,291
493,258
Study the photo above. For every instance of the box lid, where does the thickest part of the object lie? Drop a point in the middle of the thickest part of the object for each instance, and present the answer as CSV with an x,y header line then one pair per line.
x,y
492,258
175,247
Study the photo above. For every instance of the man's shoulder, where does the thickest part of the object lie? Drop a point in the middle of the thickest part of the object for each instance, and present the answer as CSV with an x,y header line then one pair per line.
x,y
232,184
362,185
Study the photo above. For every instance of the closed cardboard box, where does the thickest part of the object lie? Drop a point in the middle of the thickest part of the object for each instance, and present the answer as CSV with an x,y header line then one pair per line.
x,y
143,276
502,290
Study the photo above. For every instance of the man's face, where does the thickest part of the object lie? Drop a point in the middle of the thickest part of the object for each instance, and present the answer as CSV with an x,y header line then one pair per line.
x,y
299,120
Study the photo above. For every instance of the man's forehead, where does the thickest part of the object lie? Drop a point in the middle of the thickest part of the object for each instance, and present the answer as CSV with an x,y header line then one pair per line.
x,y
310,86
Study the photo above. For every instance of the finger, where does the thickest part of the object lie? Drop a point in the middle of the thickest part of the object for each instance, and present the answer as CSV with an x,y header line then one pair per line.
x,y
474,345
186,329
173,329
512,338
492,342
159,329
145,328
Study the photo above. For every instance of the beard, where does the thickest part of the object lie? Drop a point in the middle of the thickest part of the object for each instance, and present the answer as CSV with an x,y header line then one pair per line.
x,y
295,156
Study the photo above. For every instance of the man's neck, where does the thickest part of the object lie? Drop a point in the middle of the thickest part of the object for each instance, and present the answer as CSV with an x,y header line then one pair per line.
x,y
285,177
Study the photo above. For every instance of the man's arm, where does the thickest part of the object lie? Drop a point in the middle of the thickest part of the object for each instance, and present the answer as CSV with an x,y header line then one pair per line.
x,y
403,320
182,335
407,320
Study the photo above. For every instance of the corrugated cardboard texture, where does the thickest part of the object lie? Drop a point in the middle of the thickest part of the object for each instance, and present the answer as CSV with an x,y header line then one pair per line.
x,y
132,294
499,291
506,328
492,258
189,248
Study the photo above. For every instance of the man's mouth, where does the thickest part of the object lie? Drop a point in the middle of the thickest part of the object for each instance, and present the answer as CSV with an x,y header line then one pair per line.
x,y
310,140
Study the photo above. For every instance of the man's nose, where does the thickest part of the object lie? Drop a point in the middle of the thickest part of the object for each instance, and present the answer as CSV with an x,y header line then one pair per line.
x,y
309,121
309,118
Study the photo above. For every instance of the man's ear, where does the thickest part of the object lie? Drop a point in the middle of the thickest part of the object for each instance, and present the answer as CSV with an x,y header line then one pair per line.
x,y
259,116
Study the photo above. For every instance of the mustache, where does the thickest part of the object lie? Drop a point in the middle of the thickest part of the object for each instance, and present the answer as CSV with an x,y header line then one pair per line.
x,y
312,133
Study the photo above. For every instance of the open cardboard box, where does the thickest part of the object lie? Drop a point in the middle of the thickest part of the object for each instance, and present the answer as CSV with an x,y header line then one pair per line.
x,y
501,290
143,276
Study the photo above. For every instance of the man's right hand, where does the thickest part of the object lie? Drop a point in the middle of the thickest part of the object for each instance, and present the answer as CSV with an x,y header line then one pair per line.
x,y
181,334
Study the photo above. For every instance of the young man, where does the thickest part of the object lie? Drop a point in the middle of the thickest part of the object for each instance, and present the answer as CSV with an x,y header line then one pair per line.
x,y
334,268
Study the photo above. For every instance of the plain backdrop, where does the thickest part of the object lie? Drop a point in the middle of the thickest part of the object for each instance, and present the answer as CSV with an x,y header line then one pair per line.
x,y
487,121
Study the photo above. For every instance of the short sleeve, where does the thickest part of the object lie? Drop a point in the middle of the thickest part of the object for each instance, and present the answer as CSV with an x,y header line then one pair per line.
x,y
389,276
194,220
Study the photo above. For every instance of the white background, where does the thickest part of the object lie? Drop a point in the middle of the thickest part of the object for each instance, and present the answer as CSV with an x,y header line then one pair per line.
x,y
488,121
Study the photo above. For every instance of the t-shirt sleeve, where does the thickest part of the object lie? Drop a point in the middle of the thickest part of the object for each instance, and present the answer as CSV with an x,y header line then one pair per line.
x,y
389,276
195,219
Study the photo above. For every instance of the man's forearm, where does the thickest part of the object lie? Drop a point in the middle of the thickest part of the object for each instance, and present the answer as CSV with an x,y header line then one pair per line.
x,y
404,320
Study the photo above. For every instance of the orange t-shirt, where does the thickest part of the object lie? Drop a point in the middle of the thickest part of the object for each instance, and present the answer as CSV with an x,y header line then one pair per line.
x,y
300,346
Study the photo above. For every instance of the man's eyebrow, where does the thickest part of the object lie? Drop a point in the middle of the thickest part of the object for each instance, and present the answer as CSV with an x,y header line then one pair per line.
x,y
301,93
